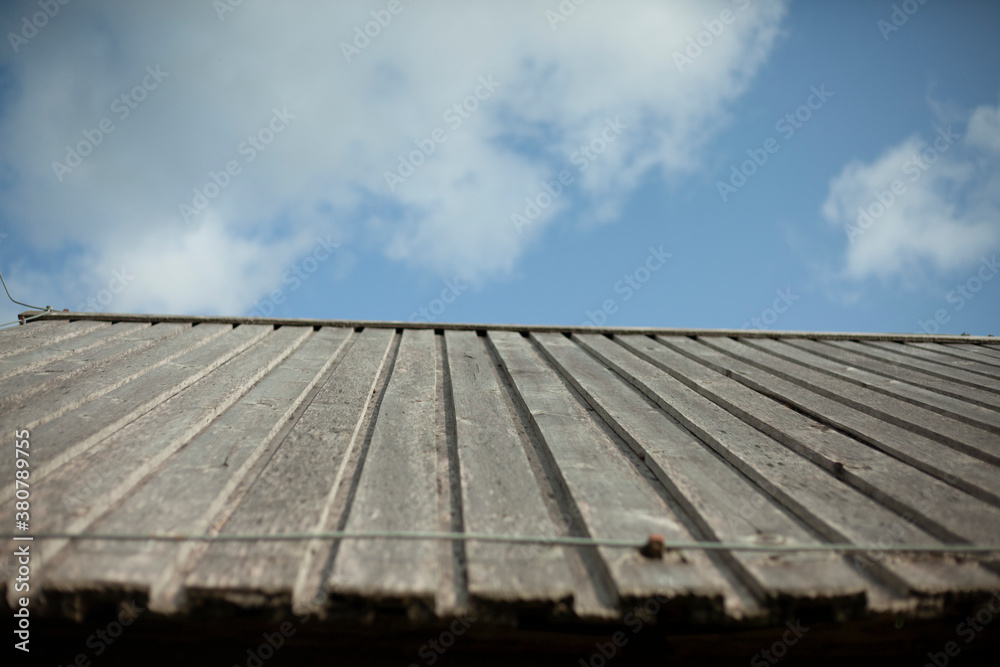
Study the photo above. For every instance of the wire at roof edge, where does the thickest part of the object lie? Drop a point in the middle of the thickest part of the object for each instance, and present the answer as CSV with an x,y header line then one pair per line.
x,y
44,310
655,543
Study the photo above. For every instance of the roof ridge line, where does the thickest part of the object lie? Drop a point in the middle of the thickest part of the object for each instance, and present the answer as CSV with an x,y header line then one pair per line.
x,y
41,316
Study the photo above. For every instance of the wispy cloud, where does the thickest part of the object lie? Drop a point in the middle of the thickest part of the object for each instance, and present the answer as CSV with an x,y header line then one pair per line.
x,y
325,173
929,204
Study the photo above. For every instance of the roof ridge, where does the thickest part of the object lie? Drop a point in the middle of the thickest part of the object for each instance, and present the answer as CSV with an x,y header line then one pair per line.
x,y
40,316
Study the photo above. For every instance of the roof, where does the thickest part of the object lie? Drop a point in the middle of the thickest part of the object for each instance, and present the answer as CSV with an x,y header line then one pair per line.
x,y
162,425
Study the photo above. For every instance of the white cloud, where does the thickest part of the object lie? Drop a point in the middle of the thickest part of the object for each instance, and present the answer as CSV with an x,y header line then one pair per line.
x,y
924,204
206,270
984,128
324,172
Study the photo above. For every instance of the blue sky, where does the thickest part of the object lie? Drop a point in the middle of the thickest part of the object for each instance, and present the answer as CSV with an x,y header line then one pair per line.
x,y
247,160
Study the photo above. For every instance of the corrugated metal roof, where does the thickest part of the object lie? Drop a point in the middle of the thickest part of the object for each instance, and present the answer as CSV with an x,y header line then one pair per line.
x,y
201,427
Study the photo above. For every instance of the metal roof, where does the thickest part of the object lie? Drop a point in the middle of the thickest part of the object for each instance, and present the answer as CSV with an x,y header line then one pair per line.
x,y
162,425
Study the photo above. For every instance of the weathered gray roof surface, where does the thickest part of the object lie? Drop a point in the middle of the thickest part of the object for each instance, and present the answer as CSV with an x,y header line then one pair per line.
x,y
165,426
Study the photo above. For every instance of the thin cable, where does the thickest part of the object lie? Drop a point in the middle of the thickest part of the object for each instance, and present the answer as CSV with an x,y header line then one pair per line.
x,y
20,303
522,539
46,309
